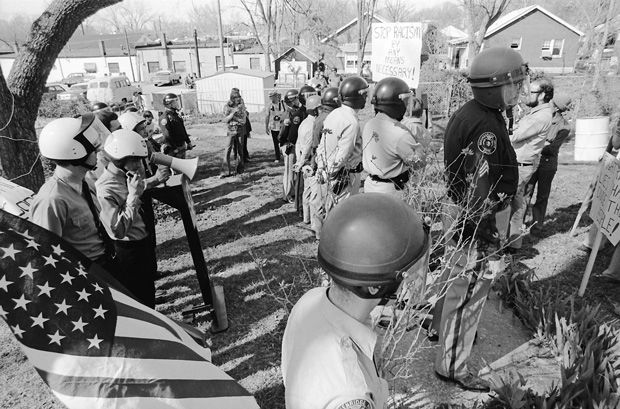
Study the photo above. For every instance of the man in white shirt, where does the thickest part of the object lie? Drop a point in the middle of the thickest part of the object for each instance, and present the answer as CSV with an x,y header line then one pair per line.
x,y
303,148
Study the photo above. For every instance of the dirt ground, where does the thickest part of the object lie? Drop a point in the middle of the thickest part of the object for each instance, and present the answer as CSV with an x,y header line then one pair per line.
x,y
257,248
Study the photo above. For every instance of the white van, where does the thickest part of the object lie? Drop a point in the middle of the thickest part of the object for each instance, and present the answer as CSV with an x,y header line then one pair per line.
x,y
110,89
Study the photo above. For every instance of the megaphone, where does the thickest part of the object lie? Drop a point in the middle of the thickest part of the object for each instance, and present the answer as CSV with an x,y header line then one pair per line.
x,y
187,167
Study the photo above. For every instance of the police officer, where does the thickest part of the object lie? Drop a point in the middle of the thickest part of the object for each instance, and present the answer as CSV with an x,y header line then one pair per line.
x,y
481,165
329,101
106,116
389,147
64,204
176,139
369,245
295,114
339,154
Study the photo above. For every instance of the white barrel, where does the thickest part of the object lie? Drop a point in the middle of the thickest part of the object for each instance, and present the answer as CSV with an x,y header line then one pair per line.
x,y
591,138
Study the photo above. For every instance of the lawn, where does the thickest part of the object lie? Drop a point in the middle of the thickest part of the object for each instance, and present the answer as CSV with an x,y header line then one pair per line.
x,y
258,249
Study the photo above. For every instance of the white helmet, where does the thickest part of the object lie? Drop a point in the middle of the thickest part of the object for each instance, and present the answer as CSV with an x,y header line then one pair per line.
x,y
124,143
313,101
129,120
72,138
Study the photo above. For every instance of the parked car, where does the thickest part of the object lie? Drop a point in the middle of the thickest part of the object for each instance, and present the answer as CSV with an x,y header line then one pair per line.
x,y
166,77
74,93
110,89
76,78
50,91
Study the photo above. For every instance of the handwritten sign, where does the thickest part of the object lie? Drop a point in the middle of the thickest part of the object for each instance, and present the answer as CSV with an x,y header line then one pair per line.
x,y
14,198
605,211
396,51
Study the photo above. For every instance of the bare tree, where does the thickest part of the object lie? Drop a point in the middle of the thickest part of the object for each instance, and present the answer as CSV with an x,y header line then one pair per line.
x,y
21,94
134,18
365,15
398,10
480,15
204,17
266,20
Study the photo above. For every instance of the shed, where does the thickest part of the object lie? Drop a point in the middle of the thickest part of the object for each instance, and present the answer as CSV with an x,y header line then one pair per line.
x,y
297,60
213,92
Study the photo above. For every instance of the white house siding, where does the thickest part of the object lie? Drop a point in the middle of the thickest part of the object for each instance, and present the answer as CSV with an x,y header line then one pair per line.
x,y
214,92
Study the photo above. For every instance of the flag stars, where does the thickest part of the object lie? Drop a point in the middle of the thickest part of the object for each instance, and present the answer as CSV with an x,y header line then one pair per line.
x,y
38,320
33,244
26,235
57,250
79,325
62,307
83,295
17,331
81,271
21,302
50,260
94,342
9,252
67,278
55,338
45,289
4,283
98,288
100,312
3,313
28,271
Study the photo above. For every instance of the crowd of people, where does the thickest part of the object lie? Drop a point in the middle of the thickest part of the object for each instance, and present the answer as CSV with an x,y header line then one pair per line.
x,y
373,245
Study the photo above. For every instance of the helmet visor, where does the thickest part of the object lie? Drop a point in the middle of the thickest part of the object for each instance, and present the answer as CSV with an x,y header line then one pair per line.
x,y
514,91
407,99
95,134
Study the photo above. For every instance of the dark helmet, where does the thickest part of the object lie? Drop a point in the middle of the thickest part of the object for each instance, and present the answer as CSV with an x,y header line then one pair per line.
x,y
291,94
353,91
330,97
371,240
304,92
496,75
391,97
98,105
169,99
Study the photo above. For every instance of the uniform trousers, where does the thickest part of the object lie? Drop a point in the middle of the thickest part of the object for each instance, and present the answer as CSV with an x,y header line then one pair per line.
x,y
276,144
463,289
518,207
288,178
138,267
373,186
318,196
541,180
352,188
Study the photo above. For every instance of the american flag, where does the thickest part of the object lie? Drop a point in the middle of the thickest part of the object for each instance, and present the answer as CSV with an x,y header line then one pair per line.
x,y
95,346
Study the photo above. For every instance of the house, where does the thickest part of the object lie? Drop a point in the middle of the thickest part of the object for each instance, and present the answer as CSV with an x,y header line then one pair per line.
x,y
295,65
99,54
546,42
345,40
214,91
180,56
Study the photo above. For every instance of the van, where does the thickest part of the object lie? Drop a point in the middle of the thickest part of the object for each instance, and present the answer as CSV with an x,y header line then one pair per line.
x,y
110,89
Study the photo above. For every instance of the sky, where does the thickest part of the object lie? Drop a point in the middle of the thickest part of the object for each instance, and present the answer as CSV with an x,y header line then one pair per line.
x,y
9,8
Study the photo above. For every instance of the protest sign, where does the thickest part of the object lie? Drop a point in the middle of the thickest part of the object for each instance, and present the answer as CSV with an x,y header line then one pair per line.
x,y
605,211
396,51
14,198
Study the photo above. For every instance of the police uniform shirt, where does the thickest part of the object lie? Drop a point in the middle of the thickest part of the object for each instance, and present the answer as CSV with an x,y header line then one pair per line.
x,y
530,134
389,147
341,144
304,139
327,358
318,125
476,141
120,212
289,132
173,128
60,208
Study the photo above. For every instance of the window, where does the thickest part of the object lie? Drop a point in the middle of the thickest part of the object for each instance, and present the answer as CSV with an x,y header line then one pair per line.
x,y
515,43
179,66
92,85
103,85
552,48
114,68
218,62
254,63
152,66
90,67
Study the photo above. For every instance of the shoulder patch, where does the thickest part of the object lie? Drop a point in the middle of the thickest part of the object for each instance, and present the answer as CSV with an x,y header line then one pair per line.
x,y
487,143
163,121
296,120
356,404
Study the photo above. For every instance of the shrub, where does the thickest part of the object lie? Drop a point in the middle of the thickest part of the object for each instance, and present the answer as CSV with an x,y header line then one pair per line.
x,y
53,108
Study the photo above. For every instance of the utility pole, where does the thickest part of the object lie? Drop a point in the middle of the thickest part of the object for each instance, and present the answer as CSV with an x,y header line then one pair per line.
x,y
219,29
133,75
197,53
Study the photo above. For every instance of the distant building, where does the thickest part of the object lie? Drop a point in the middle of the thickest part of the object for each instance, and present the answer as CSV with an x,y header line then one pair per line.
x,y
545,41
296,65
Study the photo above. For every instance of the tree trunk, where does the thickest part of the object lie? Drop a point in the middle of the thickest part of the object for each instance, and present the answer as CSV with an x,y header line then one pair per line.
x,y
20,96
